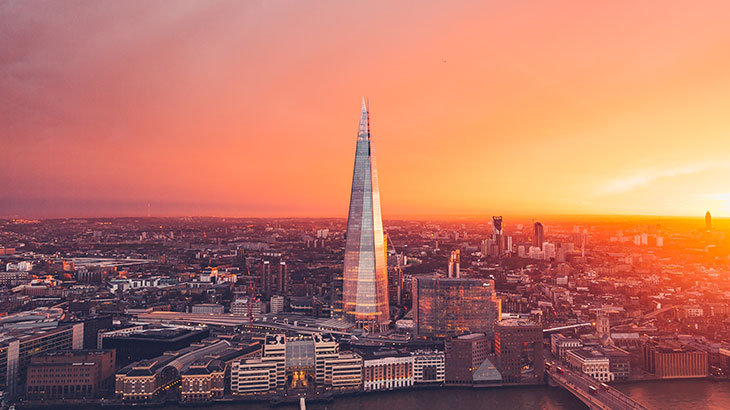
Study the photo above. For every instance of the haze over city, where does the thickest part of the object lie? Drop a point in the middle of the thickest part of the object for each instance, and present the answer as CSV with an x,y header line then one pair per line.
x,y
479,108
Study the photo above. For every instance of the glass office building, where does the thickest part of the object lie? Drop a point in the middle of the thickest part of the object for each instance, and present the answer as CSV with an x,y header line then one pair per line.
x,y
365,276
448,307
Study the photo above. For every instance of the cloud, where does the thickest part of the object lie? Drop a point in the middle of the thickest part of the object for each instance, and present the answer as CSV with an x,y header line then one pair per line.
x,y
645,177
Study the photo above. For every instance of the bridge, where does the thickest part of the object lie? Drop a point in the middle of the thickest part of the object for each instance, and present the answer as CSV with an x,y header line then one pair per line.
x,y
559,328
592,393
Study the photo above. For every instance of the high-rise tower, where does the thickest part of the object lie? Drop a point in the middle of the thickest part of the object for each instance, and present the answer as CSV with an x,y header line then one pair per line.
x,y
455,264
498,234
708,221
539,237
365,276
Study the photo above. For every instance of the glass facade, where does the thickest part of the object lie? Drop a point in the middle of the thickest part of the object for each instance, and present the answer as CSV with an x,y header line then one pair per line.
x,y
365,277
447,307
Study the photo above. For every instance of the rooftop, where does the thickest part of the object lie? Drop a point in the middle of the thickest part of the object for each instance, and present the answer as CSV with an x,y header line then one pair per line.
x,y
471,336
517,323
588,353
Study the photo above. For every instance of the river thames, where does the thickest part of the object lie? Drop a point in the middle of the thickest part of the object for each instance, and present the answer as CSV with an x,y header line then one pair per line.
x,y
659,395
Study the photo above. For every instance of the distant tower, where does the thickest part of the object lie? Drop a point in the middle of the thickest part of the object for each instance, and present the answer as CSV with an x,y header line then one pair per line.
x,y
539,237
603,327
283,279
266,279
454,263
708,221
365,276
498,234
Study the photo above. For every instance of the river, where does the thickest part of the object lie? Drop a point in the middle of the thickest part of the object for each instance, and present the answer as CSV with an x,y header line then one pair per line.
x,y
658,395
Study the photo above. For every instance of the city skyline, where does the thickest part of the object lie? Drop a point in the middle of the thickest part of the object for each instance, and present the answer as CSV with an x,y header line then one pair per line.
x,y
564,115
552,226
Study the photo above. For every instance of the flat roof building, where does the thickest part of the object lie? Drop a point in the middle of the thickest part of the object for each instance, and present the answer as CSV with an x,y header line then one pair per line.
x,y
150,343
590,361
74,374
31,333
448,307
387,370
463,355
519,351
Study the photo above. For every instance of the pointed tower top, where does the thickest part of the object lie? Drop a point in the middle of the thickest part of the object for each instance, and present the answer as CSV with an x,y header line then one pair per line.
x,y
363,132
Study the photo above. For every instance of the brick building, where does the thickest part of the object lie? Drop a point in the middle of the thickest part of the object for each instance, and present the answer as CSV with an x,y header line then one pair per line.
x,y
72,374
463,355
519,351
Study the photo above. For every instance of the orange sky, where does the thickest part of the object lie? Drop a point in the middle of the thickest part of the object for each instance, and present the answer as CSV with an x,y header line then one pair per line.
x,y
251,107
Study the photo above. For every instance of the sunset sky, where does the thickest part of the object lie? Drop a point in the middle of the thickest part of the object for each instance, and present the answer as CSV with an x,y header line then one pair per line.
x,y
250,108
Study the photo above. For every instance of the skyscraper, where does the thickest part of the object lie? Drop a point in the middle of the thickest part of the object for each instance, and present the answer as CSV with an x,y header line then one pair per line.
x,y
455,264
539,235
708,221
365,276
498,234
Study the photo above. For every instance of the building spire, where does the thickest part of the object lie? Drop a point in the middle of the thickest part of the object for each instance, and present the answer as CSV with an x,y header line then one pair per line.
x,y
363,132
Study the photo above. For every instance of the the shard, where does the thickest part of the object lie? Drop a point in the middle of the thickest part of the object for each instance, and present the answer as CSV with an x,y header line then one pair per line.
x,y
365,276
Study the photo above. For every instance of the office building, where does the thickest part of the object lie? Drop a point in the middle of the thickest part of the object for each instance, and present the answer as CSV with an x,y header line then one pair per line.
x,y
208,308
387,370
240,306
590,361
561,344
447,307
429,367
463,356
708,222
74,374
92,326
344,371
539,236
150,343
668,359
619,362
282,279
118,331
275,351
253,376
325,347
519,351
31,333
276,304
266,279
300,362
365,280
